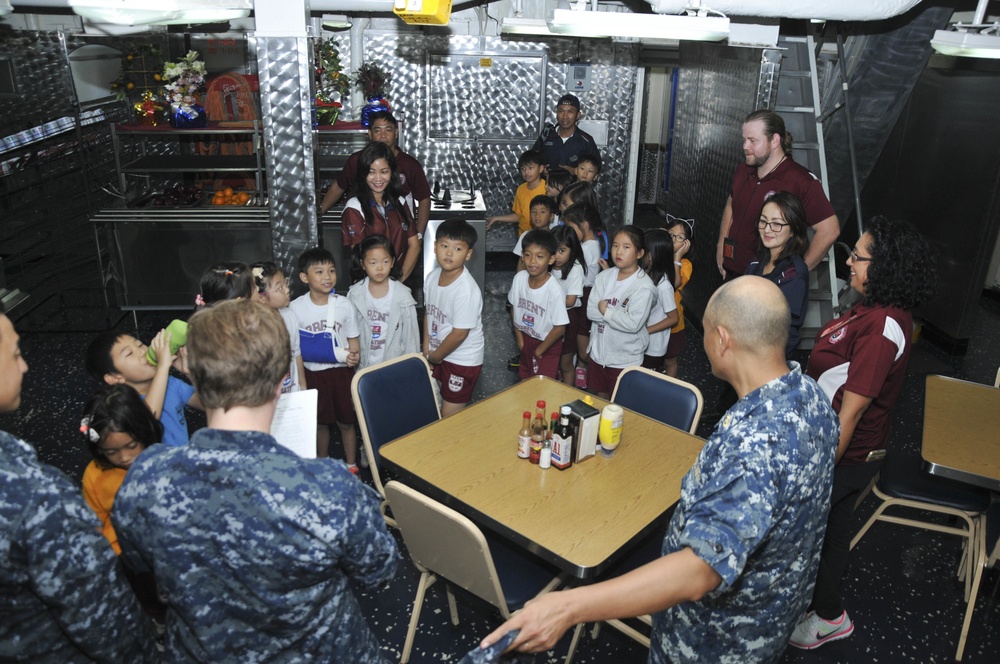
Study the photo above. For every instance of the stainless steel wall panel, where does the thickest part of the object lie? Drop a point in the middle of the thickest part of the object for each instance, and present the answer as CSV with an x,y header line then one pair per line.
x,y
285,71
717,88
438,134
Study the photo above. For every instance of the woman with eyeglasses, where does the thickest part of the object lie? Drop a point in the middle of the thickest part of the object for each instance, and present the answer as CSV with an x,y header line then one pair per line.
x,y
859,361
783,242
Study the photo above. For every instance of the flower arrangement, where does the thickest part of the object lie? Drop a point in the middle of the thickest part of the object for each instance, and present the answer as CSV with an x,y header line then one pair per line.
x,y
186,78
331,82
373,80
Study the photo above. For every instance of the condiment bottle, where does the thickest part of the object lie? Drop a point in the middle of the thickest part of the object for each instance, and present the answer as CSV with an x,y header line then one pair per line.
x,y
537,437
562,441
524,437
540,411
545,458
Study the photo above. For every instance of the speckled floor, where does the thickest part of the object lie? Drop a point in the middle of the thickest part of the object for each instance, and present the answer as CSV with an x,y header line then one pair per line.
x,y
901,590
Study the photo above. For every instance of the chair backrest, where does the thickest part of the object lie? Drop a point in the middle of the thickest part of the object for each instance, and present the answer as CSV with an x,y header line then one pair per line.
x,y
393,399
446,543
660,397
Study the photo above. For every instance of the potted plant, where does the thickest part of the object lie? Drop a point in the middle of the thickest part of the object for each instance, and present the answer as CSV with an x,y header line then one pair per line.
x,y
373,81
331,82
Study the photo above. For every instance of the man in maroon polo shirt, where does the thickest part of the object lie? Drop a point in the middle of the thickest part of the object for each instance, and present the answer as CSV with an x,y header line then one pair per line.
x,y
769,169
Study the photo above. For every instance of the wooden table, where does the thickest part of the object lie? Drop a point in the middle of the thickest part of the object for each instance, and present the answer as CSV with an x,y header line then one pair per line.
x,y
962,431
580,519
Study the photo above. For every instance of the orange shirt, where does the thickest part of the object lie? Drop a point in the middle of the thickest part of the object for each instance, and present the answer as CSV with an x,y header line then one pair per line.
x,y
99,489
686,270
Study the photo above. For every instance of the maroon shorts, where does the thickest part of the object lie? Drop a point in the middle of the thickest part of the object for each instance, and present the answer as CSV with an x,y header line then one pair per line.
x,y
546,365
584,330
458,382
601,378
676,344
577,322
334,399
652,361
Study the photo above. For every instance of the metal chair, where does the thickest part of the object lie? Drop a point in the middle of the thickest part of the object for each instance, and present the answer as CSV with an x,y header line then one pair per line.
x,y
392,399
903,483
660,397
677,404
445,544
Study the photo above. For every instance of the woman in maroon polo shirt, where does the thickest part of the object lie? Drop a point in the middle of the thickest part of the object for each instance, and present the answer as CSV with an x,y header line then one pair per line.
x,y
379,208
859,361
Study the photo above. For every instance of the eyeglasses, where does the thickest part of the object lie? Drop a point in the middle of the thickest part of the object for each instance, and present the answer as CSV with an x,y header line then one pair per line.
x,y
774,226
677,238
859,259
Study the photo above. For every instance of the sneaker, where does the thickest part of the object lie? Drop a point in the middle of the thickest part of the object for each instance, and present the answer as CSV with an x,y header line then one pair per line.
x,y
813,631
580,378
514,363
354,469
363,456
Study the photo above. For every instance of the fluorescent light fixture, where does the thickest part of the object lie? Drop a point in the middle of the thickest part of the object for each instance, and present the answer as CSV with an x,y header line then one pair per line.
x,y
641,26
522,26
978,39
336,21
971,44
162,12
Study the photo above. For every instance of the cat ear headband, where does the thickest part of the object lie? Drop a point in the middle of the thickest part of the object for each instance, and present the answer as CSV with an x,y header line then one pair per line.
x,y
672,220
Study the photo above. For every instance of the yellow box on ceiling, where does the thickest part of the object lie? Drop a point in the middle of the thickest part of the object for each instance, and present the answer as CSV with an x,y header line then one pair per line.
x,y
423,12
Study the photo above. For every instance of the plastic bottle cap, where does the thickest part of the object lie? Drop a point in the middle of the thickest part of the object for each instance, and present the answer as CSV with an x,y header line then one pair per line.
x,y
540,404
565,410
526,414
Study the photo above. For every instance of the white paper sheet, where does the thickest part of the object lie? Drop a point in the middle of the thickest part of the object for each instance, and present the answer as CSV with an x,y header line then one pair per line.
x,y
294,422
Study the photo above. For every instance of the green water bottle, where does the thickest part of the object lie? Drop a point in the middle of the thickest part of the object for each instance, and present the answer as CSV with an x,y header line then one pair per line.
x,y
178,330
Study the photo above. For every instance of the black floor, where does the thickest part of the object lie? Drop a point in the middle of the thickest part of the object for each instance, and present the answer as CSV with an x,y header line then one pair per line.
x,y
901,587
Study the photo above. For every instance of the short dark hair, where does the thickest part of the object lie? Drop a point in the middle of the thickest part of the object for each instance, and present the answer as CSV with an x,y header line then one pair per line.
x,y
98,360
238,353
226,281
541,237
547,201
315,256
262,273
530,157
591,157
578,212
382,115
118,409
457,229
902,271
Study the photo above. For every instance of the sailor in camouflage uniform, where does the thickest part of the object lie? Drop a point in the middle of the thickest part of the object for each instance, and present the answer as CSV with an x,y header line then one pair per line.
x,y
253,547
741,551
62,598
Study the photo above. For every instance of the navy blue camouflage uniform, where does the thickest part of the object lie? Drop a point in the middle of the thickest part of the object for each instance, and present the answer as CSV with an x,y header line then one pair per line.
x,y
753,507
255,549
62,598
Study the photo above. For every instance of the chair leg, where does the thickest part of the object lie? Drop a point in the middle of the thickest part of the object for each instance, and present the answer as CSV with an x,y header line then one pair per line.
x,y
572,644
978,557
452,604
426,581
868,524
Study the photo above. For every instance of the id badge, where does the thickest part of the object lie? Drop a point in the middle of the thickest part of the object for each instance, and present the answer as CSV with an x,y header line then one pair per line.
x,y
728,248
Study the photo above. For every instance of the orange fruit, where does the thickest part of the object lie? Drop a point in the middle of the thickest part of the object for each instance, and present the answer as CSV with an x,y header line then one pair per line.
x,y
228,191
243,198
219,198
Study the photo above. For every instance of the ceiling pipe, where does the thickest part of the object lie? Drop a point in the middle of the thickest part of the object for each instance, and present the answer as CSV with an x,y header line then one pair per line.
x,y
842,10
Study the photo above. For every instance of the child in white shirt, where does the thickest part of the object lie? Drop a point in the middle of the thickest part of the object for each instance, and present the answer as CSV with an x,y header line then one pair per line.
x,y
538,308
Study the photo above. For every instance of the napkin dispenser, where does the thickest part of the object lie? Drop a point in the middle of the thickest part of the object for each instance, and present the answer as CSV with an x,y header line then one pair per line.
x,y
586,421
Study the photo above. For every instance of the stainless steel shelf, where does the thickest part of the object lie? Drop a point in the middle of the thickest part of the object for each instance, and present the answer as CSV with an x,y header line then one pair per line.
x,y
190,163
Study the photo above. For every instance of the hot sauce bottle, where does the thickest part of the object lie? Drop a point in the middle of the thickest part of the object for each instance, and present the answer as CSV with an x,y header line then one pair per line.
x,y
524,437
